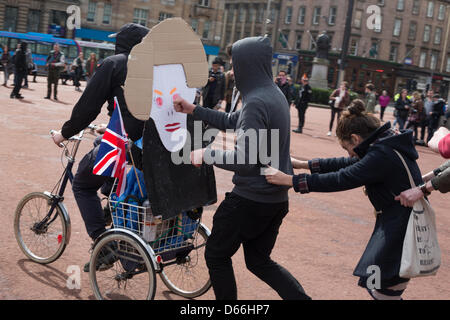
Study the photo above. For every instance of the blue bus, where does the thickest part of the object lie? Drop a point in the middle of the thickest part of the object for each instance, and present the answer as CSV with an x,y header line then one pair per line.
x,y
40,44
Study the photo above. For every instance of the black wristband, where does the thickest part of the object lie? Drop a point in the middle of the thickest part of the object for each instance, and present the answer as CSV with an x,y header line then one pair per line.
x,y
425,192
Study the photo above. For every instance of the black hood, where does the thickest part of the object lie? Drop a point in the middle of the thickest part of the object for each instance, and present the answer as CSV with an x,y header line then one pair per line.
x,y
252,63
128,36
402,141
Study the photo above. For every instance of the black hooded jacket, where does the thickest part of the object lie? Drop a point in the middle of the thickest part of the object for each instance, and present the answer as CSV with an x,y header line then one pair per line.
x,y
262,124
20,59
106,84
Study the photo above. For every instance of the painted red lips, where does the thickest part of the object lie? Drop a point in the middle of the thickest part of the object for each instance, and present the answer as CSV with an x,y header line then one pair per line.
x,y
173,127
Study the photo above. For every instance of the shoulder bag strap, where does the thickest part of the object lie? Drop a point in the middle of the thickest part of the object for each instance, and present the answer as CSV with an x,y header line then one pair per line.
x,y
411,180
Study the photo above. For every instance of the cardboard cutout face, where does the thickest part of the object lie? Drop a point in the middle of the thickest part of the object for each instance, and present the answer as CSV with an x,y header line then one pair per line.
x,y
169,81
171,41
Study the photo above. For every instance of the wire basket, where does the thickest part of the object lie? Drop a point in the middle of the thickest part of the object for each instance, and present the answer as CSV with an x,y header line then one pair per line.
x,y
168,238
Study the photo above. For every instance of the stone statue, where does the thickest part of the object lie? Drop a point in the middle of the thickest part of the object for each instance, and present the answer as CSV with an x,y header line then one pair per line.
x,y
323,46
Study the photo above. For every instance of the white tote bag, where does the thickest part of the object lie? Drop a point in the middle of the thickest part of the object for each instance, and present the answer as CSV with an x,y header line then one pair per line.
x,y
421,255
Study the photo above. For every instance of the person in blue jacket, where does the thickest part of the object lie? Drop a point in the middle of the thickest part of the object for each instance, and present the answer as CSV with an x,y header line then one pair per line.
x,y
372,163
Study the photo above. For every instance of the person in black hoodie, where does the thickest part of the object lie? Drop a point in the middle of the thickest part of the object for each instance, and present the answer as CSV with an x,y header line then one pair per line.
x,y
253,211
21,68
374,164
402,106
105,84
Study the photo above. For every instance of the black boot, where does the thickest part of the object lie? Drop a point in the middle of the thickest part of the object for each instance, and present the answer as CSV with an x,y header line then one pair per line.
x,y
298,130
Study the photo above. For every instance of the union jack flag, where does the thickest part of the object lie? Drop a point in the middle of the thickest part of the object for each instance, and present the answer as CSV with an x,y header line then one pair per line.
x,y
111,156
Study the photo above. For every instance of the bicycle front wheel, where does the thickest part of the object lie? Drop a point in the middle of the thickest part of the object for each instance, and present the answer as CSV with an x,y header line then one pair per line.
x,y
42,242
189,276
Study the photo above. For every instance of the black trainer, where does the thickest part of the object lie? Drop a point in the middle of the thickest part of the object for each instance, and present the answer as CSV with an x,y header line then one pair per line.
x,y
106,258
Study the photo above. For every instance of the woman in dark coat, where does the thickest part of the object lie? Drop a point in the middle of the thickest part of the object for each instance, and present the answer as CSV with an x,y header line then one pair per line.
x,y
373,164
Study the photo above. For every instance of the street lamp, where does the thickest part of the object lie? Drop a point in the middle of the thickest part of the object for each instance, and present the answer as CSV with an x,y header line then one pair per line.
x,y
346,40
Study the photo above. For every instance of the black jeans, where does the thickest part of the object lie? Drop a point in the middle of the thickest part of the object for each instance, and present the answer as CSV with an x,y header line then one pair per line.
x,y
301,108
85,186
18,79
334,112
254,225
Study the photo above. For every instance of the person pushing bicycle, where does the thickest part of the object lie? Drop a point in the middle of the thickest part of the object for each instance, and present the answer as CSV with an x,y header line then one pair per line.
x,y
105,84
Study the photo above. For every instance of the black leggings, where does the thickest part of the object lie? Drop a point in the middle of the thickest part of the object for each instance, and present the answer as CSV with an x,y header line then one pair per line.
x,y
334,111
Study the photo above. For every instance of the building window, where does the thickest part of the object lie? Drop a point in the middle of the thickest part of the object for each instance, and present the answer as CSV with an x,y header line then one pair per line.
x,y
203,3
433,61
412,30
252,13
242,12
358,19
373,51
430,9
288,17
164,16
312,43
397,27
107,11
284,38
332,16
261,14
301,15
441,15
426,33
33,20
353,47
10,19
423,59
438,36
447,69
400,5
381,2
206,28
194,24
140,16
416,7
92,8
298,41
393,53
316,15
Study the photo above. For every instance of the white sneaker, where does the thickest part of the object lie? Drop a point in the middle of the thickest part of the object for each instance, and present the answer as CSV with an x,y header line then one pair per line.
x,y
329,133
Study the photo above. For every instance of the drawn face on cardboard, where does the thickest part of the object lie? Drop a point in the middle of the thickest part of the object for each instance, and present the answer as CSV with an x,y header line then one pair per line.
x,y
169,81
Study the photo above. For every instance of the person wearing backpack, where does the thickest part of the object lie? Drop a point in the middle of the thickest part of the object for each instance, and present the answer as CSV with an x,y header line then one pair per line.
x,y
372,163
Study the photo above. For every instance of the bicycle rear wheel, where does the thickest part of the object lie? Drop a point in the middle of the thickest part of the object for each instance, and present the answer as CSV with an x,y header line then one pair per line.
x,y
189,276
41,243
128,273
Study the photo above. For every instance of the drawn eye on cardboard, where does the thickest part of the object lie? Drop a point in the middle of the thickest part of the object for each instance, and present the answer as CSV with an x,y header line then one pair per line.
x,y
170,57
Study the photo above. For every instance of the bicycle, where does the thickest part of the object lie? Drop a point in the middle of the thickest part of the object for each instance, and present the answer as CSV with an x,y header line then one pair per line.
x,y
44,236
141,246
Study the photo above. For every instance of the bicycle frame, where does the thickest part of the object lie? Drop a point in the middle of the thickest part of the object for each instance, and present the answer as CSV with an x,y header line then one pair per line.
x,y
56,199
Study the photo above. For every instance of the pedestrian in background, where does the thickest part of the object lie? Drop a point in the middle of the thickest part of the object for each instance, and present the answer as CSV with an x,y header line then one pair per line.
x,y
7,65
214,91
282,83
384,102
301,102
29,58
55,63
435,115
371,98
428,108
21,69
78,65
91,66
416,114
339,100
402,106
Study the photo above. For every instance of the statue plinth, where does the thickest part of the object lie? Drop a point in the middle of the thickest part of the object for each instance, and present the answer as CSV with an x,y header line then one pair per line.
x,y
319,74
